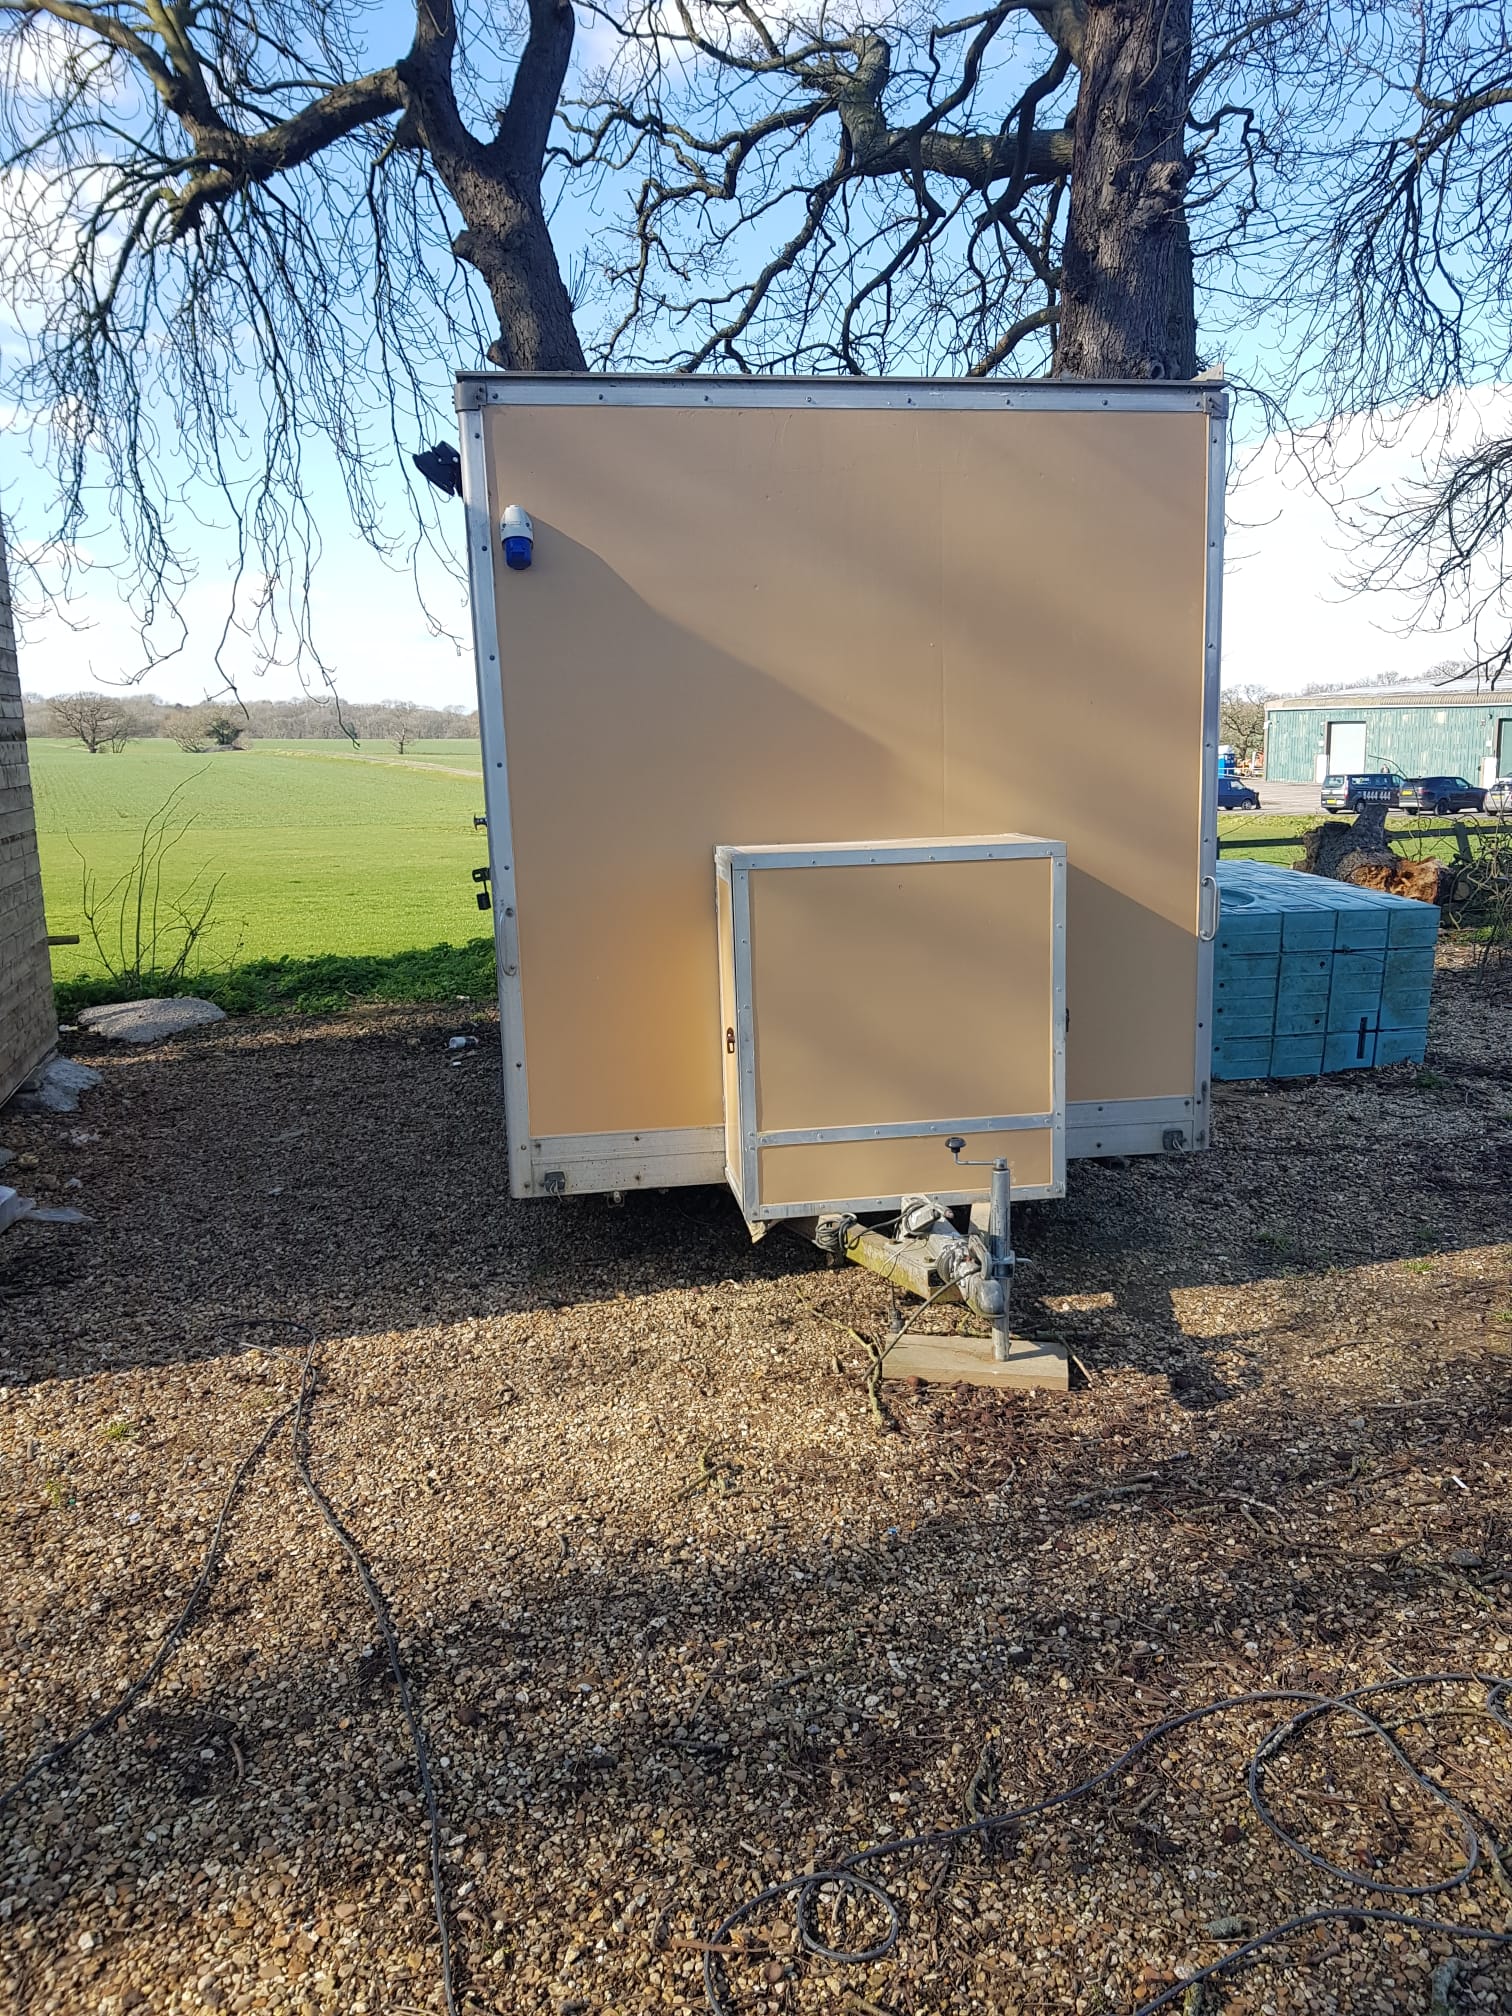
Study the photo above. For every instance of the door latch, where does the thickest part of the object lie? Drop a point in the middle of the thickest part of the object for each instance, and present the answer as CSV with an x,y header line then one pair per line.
x,y
730,1042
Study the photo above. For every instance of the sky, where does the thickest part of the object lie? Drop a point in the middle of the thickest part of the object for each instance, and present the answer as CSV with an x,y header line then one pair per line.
x,y
1289,619
1294,537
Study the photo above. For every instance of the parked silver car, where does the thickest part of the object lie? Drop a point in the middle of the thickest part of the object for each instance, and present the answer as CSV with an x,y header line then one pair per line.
x,y
1498,796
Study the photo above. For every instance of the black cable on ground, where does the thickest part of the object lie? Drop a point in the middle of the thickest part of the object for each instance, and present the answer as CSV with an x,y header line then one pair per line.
x,y
378,1604
299,1414
59,1752
847,1878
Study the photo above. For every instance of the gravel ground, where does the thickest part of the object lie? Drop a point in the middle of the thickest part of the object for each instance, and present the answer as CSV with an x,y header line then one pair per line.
x,y
679,1616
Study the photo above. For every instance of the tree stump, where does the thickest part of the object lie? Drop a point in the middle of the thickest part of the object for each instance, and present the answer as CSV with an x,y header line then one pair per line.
x,y
1358,852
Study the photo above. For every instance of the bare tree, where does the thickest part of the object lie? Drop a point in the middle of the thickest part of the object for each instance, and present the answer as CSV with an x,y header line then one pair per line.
x,y
197,729
1008,188
186,727
222,225
402,724
1447,537
1127,309
96,718
1241,720
234,233
1399,290
222,730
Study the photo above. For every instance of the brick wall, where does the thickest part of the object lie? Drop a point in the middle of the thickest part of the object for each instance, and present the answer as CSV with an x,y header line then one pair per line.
x,y
27,1027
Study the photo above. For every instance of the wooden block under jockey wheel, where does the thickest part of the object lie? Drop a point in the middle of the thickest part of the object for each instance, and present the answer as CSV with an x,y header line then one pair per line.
x,y
969,1361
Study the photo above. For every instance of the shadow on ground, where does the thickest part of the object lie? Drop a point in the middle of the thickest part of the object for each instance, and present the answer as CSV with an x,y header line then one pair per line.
x,y
680,1614
323,984
349,1173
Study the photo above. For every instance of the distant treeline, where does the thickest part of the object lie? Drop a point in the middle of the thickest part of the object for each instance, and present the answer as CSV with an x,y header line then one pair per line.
x,y
106,720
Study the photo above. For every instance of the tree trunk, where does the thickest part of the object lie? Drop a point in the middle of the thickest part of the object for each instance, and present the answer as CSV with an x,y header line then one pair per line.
x,y
1361,853
1126,305
508,242
496,184
1181,317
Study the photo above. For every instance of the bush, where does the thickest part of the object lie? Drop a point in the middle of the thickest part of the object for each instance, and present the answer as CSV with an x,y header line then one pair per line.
x,y
146,926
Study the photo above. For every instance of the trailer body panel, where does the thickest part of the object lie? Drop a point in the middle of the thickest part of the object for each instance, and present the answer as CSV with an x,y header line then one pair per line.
x,y
800,611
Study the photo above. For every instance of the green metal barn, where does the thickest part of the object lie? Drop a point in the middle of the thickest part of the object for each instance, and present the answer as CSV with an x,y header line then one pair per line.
x,y
1422,734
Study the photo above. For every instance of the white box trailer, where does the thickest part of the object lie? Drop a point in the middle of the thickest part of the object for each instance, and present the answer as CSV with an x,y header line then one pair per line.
x,y
804,615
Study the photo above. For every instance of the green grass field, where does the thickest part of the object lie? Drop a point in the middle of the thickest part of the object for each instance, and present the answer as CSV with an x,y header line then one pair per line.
x,y
1235,830
453,755
345,874
349,872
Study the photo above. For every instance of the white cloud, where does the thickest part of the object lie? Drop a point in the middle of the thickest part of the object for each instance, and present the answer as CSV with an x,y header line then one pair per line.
x,y
1297,514
367,618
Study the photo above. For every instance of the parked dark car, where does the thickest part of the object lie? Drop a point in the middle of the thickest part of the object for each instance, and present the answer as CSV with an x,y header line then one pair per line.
x,y
1440,794
1370,787
1236,797
1498,796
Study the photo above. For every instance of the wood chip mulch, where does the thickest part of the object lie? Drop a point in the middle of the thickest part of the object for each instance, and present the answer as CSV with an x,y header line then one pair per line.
x,y
680,1619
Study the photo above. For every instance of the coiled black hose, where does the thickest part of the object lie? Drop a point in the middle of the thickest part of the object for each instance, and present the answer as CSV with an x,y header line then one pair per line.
x,y
856,1875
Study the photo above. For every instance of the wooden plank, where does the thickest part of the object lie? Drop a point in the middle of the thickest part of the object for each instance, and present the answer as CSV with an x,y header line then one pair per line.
x,y
1309,966
1307,930
1407,988
1415,924
1361,931
1246,969
969,1361
1248,932
1349,1007
1305,990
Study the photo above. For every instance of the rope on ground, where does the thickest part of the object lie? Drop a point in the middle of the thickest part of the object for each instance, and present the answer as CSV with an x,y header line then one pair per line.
x,y
855,1879
299,1414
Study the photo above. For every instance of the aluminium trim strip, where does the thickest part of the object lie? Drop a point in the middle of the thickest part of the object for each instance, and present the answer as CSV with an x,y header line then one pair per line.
x,y
1084,1113
486,647
902,1130
707,1142
651,1144
475,389
1207,861
1139,1137
739,863
1058,1013
1029,1193
882,854
745,1035
698,1153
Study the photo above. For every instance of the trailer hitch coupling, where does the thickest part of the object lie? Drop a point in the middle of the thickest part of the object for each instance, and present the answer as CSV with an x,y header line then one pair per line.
x,y
926,1254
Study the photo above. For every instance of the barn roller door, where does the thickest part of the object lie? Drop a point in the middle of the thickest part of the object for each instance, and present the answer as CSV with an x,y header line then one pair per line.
x,y
1346,748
